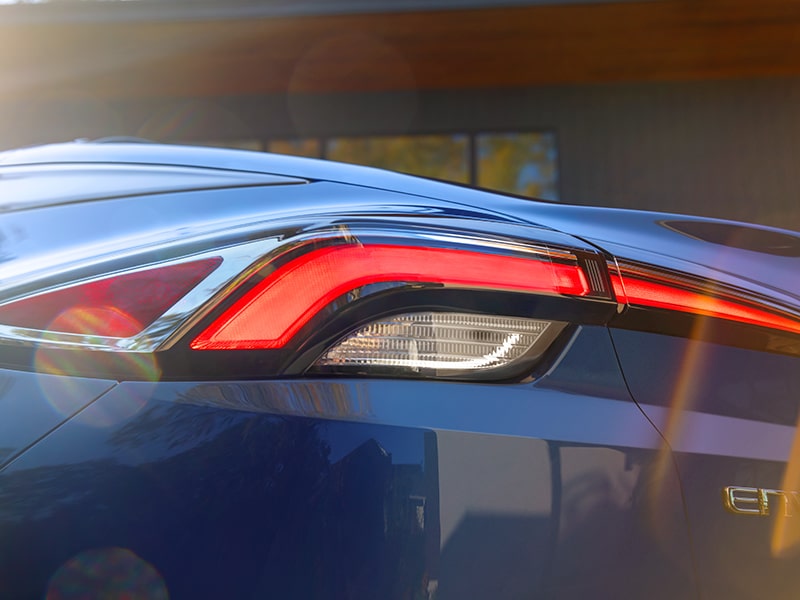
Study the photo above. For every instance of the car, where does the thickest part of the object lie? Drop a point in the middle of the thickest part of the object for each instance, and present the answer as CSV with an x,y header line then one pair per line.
x,y
229,374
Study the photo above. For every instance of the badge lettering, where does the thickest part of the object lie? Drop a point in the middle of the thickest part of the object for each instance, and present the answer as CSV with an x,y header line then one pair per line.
x,y
760,501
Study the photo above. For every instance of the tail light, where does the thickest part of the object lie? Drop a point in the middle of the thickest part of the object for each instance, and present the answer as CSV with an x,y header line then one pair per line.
x,y
287,298
415,301
117,306
135,307
316,280
647,287
370,298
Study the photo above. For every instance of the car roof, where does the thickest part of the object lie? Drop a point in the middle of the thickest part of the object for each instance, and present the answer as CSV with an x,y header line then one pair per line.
x,y
639,235
231,160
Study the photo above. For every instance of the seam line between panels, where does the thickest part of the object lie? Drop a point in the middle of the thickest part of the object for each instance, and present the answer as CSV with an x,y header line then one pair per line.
x,y
673,462
21,452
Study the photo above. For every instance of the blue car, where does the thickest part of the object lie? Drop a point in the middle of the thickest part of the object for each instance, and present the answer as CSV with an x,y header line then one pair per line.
x,y
227,374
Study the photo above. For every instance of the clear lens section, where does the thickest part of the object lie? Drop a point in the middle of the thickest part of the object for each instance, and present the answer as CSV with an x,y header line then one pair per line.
x,y
449,342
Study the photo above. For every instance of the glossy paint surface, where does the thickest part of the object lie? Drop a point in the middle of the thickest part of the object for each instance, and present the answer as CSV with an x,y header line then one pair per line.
x,y
729,415
598,474
36,243
350,489
31,405
647,237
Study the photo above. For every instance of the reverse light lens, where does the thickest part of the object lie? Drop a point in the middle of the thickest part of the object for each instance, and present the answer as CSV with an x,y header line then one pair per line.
x,y
442,341
118,306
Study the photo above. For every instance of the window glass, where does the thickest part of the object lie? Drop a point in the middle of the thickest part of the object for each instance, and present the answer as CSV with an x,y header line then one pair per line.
x,y
439,156
309,147
518,163
523,163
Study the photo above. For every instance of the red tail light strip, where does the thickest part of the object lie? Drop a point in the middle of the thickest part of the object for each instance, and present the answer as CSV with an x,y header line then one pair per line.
x,y
271,313
118,306
658,294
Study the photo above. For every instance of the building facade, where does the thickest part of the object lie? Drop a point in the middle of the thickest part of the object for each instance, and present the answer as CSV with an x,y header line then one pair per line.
x,y
663,105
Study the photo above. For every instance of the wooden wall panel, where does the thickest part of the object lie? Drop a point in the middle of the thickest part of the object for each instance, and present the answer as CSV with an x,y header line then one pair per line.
x,y
660,40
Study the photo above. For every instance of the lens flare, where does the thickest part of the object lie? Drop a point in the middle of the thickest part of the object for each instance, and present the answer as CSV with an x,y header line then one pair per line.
x,y
690,373
60,392
66,399
107,573
96,320
786,530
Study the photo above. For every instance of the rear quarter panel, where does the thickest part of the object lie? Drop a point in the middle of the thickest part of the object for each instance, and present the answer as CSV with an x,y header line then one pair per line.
x,y
730,416
352,489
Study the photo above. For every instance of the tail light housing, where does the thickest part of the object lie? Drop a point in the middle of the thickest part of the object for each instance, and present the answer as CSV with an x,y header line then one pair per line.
x,y
271,313
122,304
368,298
676,294
346,301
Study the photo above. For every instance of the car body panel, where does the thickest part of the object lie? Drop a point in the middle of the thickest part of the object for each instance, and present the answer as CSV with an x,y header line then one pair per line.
x,y
601,473
349,489
141,223
646,237
256,162
625,234
33,404
30,186
730,417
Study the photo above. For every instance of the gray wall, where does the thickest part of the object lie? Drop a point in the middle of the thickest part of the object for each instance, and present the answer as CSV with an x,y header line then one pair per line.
x,y
728,149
